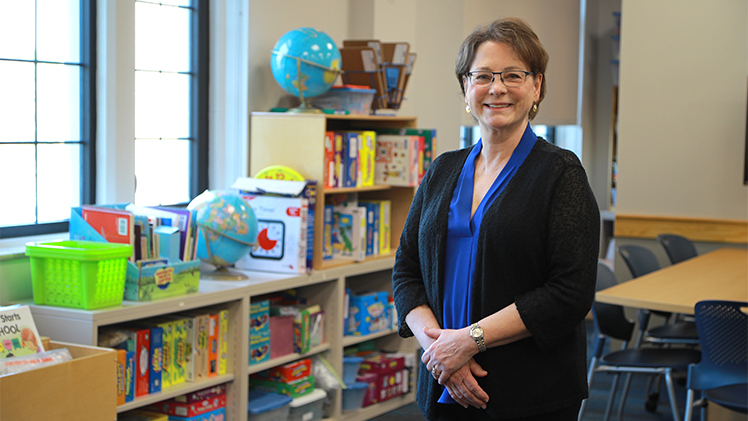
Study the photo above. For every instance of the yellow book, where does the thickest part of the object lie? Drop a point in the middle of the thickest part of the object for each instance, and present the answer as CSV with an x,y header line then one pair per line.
x,y
223,342
366,158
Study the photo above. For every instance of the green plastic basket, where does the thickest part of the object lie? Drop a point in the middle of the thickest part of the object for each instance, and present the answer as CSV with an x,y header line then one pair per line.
x,y
79,274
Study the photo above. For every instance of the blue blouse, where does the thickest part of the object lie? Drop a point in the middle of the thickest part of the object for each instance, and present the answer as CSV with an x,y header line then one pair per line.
x,y
462,234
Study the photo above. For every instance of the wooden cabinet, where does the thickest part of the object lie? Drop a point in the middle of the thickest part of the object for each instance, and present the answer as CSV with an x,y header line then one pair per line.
x,y
298,141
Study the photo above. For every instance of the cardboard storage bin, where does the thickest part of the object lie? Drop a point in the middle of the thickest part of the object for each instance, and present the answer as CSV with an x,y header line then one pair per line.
x,y
84,388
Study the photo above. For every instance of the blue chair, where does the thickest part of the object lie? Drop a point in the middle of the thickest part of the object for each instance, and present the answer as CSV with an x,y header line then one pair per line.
x,y
611,322
678,248
722,375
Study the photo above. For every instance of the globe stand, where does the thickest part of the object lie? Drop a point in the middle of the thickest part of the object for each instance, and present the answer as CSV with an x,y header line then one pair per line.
x,y
222,273
304,107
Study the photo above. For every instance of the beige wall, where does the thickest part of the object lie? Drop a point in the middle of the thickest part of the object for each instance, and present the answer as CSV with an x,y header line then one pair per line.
x,y
434,31
682,108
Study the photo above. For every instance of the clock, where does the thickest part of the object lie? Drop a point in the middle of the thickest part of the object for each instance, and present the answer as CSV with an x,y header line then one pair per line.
x,y
270,236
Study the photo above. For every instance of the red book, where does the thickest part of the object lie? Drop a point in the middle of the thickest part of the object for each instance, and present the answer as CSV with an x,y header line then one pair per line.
x,y
115,225
142,342
213,346
329,170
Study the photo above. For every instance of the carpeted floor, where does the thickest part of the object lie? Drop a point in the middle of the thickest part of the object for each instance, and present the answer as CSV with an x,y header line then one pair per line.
x,y
598,398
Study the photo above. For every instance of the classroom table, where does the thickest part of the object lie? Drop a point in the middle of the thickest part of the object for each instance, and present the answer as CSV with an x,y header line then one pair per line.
x,y
718,275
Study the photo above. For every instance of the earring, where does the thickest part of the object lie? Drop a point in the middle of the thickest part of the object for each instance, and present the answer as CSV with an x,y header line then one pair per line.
x,y
535,108
467,109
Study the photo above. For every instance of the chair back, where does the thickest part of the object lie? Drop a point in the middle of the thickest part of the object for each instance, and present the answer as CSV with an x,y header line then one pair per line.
x,y
723,335
640,260
610,320
678,248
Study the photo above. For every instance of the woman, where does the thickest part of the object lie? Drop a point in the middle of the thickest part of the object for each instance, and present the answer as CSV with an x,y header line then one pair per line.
x,y
497,260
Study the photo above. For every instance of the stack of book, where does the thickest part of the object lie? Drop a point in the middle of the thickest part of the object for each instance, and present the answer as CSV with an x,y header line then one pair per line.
x,y
397,157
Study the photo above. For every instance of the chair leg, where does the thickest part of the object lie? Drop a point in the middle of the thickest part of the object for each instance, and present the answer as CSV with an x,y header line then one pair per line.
x,y
689,405
590,376
671,394
611,398
624,395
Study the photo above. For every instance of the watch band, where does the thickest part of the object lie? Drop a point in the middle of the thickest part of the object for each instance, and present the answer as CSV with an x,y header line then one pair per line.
x,y
478,338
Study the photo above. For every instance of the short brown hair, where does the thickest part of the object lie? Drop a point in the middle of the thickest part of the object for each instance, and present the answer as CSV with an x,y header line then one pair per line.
x,y
514,32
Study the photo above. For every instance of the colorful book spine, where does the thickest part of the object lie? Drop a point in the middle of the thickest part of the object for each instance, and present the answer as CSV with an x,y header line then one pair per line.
x,y
350,139
179,335
223,341
372,227
155,371
167,354
366,158
121,365
129,376
339,159
141,338
329,160
327,228
213,334
396,160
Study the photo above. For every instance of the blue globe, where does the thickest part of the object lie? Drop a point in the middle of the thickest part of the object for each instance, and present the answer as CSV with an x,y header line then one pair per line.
x,y
305,62
227,227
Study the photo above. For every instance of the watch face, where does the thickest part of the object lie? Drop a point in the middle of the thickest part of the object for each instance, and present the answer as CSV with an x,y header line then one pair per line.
x,y
270,235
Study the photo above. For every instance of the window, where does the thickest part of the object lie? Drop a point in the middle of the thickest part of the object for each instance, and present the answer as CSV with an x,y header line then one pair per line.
x,y
168,101
48,114
46,117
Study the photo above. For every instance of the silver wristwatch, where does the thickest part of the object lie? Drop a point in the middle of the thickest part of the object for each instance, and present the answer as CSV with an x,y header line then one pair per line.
x,y
476,332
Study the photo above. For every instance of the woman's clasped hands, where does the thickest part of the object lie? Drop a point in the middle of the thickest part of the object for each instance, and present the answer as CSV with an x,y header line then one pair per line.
x,y
450,360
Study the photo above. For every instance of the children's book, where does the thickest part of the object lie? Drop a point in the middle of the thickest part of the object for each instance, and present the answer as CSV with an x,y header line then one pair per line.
x,y
329,161
155,370
350,140
115,225
397,160
327,229
223,340
18,332
349,232
141,339
366,158
213,344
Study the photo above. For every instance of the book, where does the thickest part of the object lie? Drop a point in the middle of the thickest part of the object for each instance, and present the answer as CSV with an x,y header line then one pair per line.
x,y
427,144
366,158
372,227
327,229
155,369
330,176
349,232
213,344
18,333
397,160
121,364
223,341
339,159
350,148
115,225
140,344
384,236
129,376
179,350
196,346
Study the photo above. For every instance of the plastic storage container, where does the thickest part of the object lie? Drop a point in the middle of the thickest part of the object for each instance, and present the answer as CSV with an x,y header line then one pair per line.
x,y
266,406
353,395
355,99
308,407
350,368
80,274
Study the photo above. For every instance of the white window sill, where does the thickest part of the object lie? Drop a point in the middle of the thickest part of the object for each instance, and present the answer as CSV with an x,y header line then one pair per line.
x,y
15,248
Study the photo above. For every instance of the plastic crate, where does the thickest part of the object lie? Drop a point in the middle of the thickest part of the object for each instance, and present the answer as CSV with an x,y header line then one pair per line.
x,y
79,274
355,99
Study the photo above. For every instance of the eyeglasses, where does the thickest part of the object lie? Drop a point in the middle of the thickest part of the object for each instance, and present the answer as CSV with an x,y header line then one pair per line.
x,y
510,79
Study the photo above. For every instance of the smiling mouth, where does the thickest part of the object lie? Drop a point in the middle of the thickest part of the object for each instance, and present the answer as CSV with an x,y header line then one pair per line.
x,y
497,106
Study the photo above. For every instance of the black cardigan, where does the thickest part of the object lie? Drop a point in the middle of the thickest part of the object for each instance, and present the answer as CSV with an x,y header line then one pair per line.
x,y
538,248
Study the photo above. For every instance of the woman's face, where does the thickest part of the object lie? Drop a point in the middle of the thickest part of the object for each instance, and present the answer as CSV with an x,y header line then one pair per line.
x,y
497,107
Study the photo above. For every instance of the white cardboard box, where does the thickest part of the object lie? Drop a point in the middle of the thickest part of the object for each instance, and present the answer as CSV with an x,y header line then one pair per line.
x,y
284,240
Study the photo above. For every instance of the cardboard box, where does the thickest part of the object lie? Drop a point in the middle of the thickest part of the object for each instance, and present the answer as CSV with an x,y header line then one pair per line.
x,y
287,373
285,216
385,375
259,350
48,393
368,313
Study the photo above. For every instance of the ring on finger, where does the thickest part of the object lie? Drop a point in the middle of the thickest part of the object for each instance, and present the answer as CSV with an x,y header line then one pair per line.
x,y
434,372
